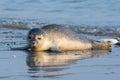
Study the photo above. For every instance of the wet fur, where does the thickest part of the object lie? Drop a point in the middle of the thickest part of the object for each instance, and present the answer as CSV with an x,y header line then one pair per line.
x,y
62,38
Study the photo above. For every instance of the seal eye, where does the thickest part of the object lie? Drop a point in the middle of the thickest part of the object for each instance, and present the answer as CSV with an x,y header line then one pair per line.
x,y
39,38
29,37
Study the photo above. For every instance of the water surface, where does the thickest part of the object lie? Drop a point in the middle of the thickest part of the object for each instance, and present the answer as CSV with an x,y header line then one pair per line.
x,y
101,18
88,12
18,64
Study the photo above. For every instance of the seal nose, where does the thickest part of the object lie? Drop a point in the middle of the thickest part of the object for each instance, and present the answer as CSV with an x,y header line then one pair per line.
x,y
33,43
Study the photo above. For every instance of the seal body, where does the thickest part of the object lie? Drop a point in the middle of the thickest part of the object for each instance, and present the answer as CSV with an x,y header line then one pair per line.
x,y
58,38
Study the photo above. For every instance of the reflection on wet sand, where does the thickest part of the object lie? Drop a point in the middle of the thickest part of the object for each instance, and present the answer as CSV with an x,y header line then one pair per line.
x,y
35,59
56,62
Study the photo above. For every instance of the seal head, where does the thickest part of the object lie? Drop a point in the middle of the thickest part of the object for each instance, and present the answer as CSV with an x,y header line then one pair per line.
x,y
35,38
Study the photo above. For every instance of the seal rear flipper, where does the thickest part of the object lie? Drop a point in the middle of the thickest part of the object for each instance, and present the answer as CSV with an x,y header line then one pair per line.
x,y
97,45
111,41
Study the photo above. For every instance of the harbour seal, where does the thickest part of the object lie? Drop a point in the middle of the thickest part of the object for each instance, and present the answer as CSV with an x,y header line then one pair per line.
x,y
58,38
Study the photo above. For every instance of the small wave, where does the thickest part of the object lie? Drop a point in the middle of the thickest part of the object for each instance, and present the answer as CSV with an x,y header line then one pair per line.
x,y
86,29
11,23
98,30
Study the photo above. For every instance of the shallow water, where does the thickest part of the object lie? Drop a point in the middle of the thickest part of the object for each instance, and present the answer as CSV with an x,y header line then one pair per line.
x,y
87,16
88,12
98,65
18,64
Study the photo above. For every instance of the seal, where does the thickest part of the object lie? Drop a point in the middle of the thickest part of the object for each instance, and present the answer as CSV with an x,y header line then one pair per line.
x,y
57,38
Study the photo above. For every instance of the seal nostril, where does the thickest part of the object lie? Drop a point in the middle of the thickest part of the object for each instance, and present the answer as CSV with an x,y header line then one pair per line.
x,y
29,37
33,42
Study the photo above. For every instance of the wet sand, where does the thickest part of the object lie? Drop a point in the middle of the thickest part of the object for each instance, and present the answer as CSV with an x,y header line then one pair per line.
x,y
22,65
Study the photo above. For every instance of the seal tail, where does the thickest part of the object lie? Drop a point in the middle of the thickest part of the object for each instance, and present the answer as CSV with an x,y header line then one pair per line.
x,y
111,41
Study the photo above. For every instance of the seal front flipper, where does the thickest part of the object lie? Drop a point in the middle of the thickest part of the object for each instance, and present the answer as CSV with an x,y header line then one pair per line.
x,y
20,48
53,49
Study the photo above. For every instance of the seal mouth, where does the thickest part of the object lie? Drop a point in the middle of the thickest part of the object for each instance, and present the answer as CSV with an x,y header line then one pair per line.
x,y
33,44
